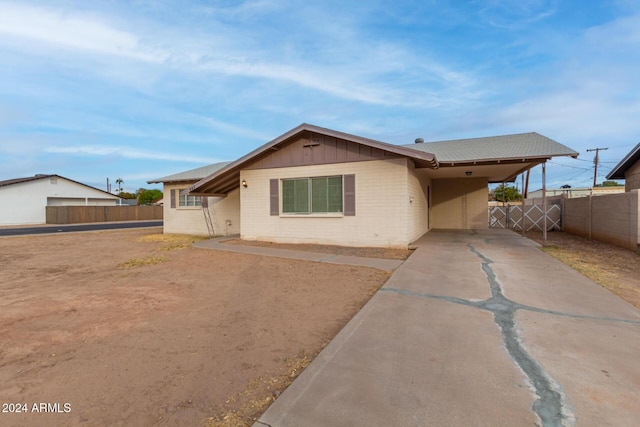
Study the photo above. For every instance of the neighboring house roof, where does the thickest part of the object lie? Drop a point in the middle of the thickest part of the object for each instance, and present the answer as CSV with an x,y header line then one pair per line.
x,y
516,147
629,160
226,178
190,175
37,177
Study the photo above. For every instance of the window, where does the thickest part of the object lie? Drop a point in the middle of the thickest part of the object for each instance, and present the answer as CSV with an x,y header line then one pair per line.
x,y
312,195
189,201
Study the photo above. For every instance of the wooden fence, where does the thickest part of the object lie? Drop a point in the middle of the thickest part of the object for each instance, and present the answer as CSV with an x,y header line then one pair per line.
x,y
84,214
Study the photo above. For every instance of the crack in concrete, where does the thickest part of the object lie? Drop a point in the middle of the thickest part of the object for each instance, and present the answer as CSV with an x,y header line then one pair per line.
x,y
550,406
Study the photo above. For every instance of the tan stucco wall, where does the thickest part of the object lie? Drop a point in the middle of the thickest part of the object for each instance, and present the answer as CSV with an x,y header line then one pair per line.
x,y
190,220
613,218
382,205
632,177
459,203
417,212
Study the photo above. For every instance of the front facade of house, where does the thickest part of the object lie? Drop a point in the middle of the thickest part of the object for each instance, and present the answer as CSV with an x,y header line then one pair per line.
x,y
316,185
24,200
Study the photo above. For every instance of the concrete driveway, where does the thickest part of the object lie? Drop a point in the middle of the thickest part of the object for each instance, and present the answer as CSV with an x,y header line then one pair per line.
x,y
476,328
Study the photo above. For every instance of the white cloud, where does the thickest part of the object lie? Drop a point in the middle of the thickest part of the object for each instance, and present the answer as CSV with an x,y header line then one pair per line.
x,y
126,152
346,65
71,30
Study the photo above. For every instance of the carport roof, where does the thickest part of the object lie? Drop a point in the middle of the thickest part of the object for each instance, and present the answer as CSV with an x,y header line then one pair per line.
x,y
521,146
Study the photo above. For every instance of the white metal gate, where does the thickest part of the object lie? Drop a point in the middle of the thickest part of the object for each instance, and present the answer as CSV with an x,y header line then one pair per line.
x,y
514,216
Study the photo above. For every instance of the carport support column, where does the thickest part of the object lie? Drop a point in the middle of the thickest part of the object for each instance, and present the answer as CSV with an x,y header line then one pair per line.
x,y
522,206
544,203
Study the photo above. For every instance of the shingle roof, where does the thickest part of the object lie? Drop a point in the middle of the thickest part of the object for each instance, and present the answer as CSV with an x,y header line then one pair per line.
x,y
226,178
624,165
191,175
519,146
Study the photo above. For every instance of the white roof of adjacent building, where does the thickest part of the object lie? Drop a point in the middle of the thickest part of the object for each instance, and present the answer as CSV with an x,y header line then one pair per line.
x,y
37,177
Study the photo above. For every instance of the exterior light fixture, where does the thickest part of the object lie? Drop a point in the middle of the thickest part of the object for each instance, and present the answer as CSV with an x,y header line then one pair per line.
x,y
244,183
468,173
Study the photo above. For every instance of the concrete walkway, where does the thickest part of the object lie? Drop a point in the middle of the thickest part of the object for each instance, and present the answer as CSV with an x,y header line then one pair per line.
x,y
476,328
379,263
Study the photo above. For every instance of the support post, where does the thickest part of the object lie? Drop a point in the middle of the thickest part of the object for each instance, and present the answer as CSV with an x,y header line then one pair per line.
x,y
544,203
522,207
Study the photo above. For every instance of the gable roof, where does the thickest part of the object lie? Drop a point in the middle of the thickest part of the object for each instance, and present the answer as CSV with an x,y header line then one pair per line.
x,y
227,178
527,146
37,177
629,160
190,175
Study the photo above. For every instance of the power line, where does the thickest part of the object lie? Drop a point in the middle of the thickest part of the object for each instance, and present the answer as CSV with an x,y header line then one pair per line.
x,y
595,162
568,166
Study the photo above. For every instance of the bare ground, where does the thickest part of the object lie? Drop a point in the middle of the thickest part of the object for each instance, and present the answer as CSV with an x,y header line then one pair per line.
x,y
385,253
612,267
134,328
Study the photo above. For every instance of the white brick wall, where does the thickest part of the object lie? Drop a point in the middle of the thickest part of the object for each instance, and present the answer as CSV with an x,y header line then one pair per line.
x,y
382,204
190,220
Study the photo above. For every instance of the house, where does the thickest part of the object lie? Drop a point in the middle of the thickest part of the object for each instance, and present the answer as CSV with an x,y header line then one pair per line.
x,y
628,169
571,193
317,185
24,200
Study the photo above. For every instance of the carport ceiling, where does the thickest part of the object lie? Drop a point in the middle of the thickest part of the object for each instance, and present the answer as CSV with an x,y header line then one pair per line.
x,y
495,173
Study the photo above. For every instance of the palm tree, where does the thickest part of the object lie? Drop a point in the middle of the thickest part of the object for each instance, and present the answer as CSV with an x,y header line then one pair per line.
x,y
119,181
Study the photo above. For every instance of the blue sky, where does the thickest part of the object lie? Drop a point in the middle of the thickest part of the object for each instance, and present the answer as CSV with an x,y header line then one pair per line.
x,y
142,89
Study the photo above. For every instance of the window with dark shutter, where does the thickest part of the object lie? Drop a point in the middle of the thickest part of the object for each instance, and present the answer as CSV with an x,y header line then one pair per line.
x,y
173,199
274,197
316,195
349,195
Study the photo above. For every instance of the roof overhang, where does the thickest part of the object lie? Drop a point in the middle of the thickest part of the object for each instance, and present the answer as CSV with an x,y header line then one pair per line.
x,y
228,178
619,171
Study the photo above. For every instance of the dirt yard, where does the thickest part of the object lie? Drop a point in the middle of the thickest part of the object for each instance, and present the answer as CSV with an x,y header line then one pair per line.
x,y
612,267
129,328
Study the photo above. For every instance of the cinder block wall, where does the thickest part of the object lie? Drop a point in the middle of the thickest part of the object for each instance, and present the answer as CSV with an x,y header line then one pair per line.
x,y
613,218
632,178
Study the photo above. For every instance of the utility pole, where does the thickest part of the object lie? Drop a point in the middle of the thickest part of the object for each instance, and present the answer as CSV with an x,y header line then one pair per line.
x,y
595,162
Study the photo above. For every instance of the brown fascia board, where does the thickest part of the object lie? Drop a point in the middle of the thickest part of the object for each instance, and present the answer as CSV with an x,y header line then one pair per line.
x,y
201,185
482,162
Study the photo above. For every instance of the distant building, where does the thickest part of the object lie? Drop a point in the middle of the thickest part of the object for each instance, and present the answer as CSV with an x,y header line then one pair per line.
x,y
576,192
628,169
24,200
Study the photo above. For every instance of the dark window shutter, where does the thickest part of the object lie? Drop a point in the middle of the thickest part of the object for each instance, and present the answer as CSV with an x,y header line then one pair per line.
x,y
173,199
349,195
274,197
204,202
